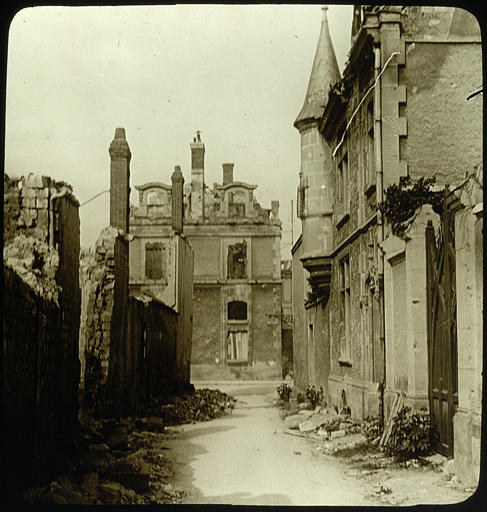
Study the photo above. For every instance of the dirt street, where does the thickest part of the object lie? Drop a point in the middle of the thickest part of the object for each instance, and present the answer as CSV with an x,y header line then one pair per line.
x,y
246,459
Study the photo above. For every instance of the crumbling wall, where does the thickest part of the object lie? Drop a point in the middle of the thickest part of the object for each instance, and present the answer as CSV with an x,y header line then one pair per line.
x,y
129,343
98,284
41,313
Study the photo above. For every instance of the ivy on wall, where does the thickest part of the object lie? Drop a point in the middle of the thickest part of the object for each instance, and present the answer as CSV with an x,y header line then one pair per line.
x,y
403,199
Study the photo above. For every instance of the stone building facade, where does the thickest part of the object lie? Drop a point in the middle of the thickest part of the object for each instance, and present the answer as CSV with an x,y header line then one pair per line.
x,y
237,289
399,111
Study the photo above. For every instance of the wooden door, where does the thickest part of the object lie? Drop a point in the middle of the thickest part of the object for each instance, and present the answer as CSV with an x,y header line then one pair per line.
x,y
442,329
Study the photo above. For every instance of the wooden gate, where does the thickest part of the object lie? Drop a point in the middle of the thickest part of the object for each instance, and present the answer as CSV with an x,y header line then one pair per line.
x,y
442,326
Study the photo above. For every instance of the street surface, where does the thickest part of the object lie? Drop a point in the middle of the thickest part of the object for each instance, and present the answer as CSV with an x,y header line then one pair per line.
x,y
246,459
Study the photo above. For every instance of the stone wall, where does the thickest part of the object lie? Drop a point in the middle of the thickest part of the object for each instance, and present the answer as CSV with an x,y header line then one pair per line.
x,y
41,307
469,288
135,347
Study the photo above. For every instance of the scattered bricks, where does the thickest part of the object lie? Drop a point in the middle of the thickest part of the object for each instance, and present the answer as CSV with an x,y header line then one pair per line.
x,y
99,449
110,492
337,433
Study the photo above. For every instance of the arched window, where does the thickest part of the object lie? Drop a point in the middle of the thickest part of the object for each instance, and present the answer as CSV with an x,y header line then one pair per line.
x,y
237,310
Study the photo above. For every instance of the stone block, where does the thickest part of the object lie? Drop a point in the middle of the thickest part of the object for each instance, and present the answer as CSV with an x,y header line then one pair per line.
x,y
42,203
314,422
337,433
28,202
293,421
29,193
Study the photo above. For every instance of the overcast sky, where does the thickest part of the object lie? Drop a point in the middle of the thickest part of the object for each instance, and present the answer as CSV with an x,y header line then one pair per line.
x,y
236,73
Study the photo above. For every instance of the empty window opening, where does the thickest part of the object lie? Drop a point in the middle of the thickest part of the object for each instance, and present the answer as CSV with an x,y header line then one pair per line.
x,y
237,310
237,261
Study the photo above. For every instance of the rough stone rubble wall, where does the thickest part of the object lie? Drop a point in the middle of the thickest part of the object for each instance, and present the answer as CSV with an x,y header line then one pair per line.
x,y
41,313
127,344
97,282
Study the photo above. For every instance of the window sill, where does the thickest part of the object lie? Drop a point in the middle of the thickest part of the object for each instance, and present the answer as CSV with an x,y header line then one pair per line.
x,y
342,219
238,362
369,190
345,361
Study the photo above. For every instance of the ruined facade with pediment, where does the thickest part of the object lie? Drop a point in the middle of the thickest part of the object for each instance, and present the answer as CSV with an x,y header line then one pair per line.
x,y
237,290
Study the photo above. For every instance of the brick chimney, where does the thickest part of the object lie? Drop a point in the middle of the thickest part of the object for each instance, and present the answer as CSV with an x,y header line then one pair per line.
x,y
177,180
227,173
197,178
120,156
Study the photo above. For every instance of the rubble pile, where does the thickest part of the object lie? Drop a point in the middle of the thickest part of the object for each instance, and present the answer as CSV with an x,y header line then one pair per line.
x,y
201,405
35,262
120,462
335,430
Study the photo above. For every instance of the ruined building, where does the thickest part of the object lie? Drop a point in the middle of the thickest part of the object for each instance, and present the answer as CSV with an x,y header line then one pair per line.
x,y
41,308
237,263
133,347
365,318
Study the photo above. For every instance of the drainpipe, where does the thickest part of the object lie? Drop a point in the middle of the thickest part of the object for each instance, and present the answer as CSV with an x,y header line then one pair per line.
x,y
380,224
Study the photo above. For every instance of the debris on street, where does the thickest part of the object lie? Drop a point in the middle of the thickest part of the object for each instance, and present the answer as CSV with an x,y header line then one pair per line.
x,y
125,461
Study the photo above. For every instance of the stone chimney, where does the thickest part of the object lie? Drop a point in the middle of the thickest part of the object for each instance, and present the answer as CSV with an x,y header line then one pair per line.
x,y
227,174
197,178
275,209
120,156
177,180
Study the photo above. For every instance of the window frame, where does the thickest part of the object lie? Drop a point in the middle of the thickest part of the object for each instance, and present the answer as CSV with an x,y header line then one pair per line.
x,y
369,167
344,289
151,248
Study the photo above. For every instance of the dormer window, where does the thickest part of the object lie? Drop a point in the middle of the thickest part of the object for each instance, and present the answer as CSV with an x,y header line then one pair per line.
x,y
236,204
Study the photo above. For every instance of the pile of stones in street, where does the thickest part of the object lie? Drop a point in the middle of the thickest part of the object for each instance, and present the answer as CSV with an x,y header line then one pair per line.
x,y
335,429
123,461
200,405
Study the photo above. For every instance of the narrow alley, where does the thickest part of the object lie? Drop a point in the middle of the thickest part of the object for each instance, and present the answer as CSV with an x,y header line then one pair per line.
x,y
246,458
265,285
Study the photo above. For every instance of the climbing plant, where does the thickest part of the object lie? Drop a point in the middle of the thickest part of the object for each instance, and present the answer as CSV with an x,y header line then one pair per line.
x,y
403,199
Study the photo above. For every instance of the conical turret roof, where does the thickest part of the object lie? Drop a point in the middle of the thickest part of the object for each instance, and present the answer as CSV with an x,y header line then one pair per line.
x,y
324,73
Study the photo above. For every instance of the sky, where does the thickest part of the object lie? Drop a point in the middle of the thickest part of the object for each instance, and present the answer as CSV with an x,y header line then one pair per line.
x,y
236,73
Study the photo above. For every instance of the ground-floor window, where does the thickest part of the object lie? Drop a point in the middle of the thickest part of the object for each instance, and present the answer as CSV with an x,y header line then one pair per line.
x,y
237,346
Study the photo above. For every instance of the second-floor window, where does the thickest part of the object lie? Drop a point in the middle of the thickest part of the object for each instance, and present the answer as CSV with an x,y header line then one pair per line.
x,y
154,260
343,184
345,345
370,148
237,261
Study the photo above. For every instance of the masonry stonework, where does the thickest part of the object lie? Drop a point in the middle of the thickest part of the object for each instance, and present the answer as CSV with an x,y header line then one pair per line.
x,y
236,244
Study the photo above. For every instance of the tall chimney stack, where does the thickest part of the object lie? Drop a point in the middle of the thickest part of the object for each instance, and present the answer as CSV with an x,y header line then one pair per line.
x,y
275,209
227,173
177,180
197,178
120,156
